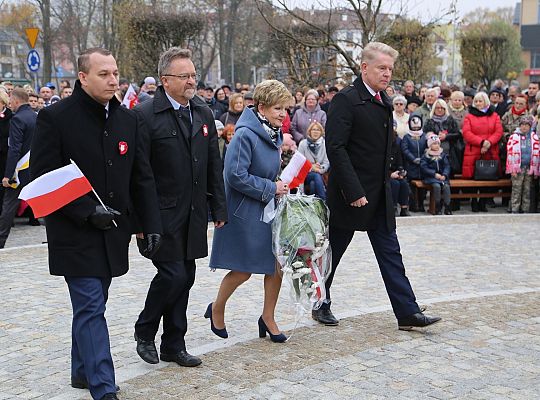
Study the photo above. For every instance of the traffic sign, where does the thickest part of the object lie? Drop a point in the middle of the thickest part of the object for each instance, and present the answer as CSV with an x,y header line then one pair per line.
x,y
32,34
33,60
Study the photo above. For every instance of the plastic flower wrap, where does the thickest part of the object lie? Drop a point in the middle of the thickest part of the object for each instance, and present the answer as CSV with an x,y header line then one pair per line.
x,y
302,248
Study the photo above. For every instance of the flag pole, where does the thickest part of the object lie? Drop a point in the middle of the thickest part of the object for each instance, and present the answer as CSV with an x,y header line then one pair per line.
x,y
93,190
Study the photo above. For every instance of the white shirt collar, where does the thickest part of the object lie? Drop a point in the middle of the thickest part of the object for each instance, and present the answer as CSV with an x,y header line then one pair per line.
x,y
370,90
176,105
107,110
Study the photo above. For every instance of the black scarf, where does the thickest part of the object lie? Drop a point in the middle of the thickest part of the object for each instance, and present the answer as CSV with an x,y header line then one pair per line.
x,y
272,131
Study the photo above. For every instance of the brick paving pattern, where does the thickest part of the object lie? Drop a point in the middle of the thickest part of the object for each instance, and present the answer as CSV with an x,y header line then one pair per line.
x,y
479,272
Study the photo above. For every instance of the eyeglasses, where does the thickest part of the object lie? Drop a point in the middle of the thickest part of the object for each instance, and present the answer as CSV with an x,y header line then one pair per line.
x,y
398,104
185,77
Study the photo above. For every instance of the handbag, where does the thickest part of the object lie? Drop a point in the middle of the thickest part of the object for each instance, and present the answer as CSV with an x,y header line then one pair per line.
x,y
486,170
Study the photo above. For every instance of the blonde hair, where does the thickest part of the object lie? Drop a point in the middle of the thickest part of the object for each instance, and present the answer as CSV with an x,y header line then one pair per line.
x,y
369,53
233,98
457,94
483,96
313,125
270,92
4,98
442,103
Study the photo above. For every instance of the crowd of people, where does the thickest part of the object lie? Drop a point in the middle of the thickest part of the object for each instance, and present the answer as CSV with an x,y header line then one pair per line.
x,y
188,153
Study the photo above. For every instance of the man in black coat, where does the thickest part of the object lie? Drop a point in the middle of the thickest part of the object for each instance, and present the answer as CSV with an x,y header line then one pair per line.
x,y
185,159
21,131
358,142
88,243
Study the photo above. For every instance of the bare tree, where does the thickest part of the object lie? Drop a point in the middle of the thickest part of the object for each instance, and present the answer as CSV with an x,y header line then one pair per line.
x,y
77,19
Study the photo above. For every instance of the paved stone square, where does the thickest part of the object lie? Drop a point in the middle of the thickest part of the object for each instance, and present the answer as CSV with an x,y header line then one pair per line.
x,y
479,272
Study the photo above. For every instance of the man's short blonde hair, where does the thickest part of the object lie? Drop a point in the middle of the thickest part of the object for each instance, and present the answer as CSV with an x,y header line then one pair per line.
x,y
369,53
271,92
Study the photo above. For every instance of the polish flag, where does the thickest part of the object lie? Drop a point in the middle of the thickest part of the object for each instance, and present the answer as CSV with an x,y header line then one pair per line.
x,y
296,171
130,98
55,189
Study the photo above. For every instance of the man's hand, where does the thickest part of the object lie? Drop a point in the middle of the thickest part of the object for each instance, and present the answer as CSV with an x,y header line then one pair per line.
x,y
102,217
394,175
219,224
360,202
5,182
153,242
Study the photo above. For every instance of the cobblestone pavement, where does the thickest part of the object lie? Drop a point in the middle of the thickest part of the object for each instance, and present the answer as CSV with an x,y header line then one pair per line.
x,y
479,272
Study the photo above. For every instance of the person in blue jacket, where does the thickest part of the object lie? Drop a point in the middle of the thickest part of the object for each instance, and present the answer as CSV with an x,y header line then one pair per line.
x,y
244,245
435,167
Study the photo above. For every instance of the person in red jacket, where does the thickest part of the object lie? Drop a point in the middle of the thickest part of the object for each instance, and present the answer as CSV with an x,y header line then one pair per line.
x,y
482,130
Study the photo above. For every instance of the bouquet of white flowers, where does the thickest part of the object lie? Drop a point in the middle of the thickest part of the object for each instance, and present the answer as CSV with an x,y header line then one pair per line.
x,y
301,246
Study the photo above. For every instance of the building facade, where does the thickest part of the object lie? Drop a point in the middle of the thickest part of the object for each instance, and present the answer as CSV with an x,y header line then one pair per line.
x,y
529,24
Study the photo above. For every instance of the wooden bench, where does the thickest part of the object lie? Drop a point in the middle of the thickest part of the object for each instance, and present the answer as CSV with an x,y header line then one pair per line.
x,y
466,183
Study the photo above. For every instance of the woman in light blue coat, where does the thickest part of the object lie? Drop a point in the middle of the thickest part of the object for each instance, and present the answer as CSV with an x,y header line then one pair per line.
x,y
244,244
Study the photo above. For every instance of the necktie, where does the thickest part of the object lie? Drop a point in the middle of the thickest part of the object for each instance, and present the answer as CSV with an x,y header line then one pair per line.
x,y
185,116
378,97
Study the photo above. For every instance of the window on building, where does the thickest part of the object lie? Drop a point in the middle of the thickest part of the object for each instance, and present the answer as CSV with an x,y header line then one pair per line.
x,y
5,50
7,69
535,59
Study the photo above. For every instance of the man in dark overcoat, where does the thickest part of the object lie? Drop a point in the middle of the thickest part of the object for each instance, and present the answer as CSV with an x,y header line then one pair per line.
x,y
21,132
358,143
185,159
88,243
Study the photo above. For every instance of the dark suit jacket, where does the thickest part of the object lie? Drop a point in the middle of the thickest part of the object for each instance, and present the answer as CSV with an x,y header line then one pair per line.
x,y
21,131
358,144
4,135
188,173
76,128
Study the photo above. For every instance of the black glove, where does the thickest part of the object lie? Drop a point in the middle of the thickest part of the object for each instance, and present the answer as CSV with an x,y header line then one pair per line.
x,y
102,218
149,245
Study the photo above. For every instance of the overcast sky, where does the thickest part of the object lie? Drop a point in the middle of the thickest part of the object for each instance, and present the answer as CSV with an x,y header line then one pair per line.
x,y
434,8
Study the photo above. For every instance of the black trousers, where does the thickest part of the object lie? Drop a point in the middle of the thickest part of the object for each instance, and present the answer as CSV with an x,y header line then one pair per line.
x,y
167,298
10,205
386,248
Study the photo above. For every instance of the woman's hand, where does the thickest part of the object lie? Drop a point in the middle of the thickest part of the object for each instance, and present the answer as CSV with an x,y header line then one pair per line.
x,y
394,175
281,188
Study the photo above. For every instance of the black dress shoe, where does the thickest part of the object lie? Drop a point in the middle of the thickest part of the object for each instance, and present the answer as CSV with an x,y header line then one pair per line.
x,y
404,212
81,383
110,396
146,349
417,320
324,316
182,358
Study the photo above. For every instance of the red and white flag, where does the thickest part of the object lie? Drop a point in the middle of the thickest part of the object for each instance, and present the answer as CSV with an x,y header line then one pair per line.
x,y
130,98
55,189
296,171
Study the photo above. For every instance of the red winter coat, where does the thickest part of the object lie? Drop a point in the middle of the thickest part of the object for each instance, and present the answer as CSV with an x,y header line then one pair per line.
x,y
477,127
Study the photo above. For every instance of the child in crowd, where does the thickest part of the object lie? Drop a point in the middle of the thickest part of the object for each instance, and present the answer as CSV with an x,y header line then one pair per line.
x,y
221,142
314,149
523,163
435,167
413,146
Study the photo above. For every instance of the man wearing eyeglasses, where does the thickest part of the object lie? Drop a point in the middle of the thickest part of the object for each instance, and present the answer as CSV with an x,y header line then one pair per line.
x,y
184,156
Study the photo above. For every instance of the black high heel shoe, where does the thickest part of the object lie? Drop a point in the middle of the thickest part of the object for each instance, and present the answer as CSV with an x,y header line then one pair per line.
x,y
222,333
281,338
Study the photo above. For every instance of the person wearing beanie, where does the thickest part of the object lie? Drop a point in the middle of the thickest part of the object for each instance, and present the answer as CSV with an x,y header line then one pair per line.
x,y
523,163
435,167
413,146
